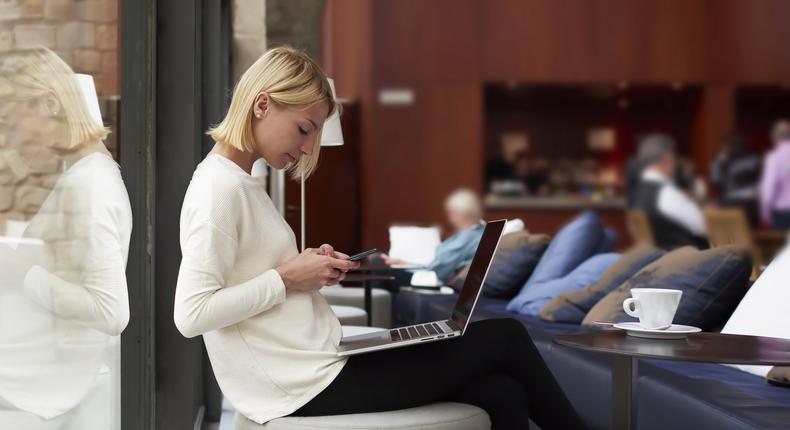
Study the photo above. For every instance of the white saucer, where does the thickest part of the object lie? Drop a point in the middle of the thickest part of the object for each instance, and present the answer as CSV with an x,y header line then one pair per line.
x,y
675,331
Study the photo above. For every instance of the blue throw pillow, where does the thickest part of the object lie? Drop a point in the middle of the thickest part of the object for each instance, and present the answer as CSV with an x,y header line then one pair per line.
x,y
505,279
586,273
571,307
574,243
608,241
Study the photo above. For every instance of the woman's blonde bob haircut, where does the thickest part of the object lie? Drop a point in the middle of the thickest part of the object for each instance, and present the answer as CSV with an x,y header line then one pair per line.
x,y
292,80
26,74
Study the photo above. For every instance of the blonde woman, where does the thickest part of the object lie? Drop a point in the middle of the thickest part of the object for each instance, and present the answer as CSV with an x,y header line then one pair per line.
x,y
63,294
270,335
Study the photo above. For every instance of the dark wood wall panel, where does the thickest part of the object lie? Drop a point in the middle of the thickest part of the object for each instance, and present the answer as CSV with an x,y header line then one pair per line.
x,y
346,48
419,40
748,41
455,156
714,118
447,50
393,170
594,40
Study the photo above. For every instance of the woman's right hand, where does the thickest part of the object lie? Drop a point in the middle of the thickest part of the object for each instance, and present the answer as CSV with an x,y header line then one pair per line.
x,y
312,269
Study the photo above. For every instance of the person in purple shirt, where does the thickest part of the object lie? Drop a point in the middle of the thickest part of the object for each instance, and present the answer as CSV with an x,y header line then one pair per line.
x,y
775,182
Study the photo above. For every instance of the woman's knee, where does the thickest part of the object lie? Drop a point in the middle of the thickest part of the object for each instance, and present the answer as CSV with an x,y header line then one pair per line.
x,y
501,326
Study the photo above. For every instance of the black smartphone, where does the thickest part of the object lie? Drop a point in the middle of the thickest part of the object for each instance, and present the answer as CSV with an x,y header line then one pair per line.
x,y
363,254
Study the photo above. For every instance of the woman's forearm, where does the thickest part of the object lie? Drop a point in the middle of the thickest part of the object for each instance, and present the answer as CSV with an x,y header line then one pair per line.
x,y
202,304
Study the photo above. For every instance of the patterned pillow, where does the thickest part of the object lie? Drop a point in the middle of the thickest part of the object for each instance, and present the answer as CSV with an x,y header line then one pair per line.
x,y
713,282
505,264
571,307
505,278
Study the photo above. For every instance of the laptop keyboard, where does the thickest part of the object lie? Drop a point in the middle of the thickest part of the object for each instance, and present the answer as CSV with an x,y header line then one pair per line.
x,y
417,331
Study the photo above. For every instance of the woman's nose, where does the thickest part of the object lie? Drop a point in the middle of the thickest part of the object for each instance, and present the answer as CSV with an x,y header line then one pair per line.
x,y
307,148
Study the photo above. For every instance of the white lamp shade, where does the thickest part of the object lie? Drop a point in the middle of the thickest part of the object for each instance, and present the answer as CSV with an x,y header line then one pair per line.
x,y
88,90
332,134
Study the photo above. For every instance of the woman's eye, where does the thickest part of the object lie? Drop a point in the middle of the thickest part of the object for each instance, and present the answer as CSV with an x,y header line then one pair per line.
x,y
301,130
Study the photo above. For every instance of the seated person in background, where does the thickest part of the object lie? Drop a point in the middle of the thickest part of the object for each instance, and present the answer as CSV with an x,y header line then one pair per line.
x,y
775,183
675,218
464,213
735,174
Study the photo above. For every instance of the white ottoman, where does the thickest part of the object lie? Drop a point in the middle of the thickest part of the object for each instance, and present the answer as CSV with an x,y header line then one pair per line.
x,y
349,315
436,416
380,301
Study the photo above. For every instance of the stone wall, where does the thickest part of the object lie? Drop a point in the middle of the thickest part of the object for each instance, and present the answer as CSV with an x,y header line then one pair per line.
x,y
84,33
296,23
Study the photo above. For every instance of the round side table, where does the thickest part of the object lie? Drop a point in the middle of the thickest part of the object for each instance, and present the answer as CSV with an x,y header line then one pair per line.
x,y
702,347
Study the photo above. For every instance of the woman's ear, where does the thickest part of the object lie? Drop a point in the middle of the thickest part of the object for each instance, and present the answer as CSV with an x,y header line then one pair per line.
x,y
52,104
261,105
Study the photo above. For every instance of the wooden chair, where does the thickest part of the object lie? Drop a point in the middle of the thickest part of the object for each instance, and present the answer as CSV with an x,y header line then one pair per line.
x,y
729,226
639,227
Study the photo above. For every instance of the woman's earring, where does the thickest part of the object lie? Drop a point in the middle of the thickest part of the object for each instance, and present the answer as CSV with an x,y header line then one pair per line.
x,y
257,115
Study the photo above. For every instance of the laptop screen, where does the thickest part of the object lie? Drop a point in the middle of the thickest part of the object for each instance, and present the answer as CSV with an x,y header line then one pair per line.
x,y
477,273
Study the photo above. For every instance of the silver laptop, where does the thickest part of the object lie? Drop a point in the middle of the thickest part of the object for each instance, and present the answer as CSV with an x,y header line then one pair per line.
x,y
437,330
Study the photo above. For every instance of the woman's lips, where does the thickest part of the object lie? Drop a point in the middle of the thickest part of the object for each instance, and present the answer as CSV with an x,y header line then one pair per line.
x,y
291,158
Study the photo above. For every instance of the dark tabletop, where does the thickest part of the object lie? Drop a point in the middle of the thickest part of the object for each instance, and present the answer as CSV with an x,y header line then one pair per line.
x,y
354,277
704,347
378,267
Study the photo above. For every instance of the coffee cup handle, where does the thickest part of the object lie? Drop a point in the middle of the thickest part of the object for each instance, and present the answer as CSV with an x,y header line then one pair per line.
x,y
636,312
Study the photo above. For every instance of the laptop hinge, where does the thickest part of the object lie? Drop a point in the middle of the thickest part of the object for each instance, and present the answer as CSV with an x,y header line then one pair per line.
x,y
453,325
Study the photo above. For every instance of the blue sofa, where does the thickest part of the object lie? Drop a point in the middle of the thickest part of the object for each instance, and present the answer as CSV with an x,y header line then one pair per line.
x,y
670,395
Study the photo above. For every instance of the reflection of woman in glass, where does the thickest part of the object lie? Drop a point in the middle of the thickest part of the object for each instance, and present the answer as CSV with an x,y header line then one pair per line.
x,y
63,298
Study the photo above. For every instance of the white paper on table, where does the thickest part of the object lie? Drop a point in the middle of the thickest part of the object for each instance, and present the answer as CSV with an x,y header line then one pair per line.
x,y
415,245
425,278
514,225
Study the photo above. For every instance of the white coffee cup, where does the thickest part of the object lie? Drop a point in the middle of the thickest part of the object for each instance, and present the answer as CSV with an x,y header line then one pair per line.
x,y
655,307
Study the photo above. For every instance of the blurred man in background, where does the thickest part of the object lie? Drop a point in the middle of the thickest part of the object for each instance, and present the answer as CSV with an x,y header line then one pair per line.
x,y
775,183
465,215
735,175
675,218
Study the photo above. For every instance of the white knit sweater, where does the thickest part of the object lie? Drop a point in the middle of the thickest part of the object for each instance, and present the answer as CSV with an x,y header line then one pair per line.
x,y
271,351
60,321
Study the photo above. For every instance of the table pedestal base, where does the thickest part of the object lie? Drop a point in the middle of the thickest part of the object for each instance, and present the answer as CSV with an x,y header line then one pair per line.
x,y
624,377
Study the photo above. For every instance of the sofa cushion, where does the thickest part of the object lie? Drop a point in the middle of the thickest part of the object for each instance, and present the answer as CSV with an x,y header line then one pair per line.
x,y
515,259
572,306
508,274
608,241
713,281
574,243
531,301
765,310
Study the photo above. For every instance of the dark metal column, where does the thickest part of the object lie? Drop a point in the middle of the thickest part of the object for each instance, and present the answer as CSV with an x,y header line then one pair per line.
x,y
137,158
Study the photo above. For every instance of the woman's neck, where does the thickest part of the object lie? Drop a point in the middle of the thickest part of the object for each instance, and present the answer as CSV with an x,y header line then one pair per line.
x,y
71,157
243,159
